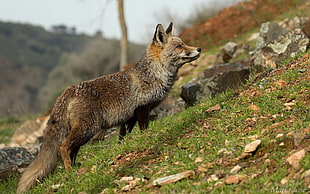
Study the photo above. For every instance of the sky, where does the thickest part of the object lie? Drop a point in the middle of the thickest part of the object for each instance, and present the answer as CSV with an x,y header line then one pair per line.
x,y
89,16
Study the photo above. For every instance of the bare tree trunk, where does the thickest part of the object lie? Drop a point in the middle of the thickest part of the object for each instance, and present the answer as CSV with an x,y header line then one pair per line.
x,y
124,38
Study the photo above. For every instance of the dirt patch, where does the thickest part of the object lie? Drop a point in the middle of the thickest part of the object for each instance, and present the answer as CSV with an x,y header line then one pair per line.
x,y
137,158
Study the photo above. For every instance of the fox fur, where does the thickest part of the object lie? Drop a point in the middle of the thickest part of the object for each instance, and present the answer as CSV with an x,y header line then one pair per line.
x,y
122,99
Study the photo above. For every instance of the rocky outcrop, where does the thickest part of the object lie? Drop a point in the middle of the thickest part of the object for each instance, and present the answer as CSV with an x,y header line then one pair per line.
x,y
232,50
215,80
12,159
276,44
29,132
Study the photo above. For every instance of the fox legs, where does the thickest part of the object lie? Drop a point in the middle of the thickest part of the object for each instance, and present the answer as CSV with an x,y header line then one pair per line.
x,y
69,148
128,126
141,115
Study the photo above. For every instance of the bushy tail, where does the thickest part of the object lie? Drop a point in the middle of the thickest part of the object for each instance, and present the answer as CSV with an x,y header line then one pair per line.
x,y
42,165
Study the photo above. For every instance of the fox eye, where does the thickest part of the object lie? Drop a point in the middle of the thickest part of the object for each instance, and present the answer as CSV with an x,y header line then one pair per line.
x,y
179,46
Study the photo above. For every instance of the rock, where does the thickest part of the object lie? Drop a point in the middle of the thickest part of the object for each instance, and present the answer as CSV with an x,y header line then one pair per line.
x,y
299,136
30,132
126,179
215,80
214,177
235,169
12,159
188,93
225,152
279,135
295,158
283,181
296,22
56,187
228,51
232,179
173,178
276,44
269,31
251,147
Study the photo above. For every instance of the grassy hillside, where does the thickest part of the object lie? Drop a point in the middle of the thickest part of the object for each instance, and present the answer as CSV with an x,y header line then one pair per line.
x,y
207,141
272,107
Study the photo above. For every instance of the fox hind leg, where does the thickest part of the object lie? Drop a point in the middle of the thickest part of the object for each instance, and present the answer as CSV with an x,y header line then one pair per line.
x,y
71,145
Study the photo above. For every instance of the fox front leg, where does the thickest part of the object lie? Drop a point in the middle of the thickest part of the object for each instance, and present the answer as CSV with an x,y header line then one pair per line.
x,y
127,127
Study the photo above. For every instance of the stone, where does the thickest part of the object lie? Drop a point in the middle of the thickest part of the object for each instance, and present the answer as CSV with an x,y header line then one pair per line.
x,y
221,77
295,158
276,44
235,169
216,80
228,51
189,91
12,159
173,178
30,132
296,22
251,147
214,177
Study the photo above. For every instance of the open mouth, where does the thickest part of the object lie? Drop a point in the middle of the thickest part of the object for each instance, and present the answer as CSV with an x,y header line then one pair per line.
x,y
192,58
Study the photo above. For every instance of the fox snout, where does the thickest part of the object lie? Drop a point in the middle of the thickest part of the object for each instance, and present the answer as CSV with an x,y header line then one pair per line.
x,y
191,54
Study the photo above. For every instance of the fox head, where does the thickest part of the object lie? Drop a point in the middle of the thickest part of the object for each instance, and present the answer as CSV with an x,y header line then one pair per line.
x,y
171,51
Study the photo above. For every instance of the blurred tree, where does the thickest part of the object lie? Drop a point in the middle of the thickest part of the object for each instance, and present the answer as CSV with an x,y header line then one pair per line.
x,y
124,37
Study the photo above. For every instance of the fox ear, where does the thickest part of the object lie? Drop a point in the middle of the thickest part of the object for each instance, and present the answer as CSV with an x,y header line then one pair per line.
x,y
170,29
160,36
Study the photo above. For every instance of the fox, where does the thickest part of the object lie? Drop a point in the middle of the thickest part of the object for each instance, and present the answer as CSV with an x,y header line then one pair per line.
x,y
119,99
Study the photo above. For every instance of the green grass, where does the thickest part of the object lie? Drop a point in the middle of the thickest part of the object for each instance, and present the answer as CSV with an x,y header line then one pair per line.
x,y
172,145
7,128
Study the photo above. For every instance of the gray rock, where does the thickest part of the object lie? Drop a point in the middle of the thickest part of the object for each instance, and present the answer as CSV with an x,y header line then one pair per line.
x,y
12,159
296,22
221,77
188,93
228,51
231,51
215,80
276,44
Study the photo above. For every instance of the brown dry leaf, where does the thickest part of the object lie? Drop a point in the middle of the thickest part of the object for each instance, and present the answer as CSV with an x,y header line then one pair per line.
x,y
254,107
202,169
198,160
82,170
232,179
131,184
214,108
197,183
280,83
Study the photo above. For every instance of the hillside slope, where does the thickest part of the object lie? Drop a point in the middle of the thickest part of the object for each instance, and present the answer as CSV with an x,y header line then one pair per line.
x,y
236,20
206,142
209,146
